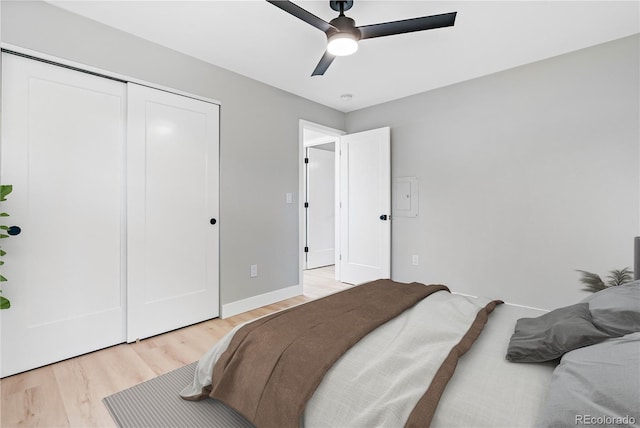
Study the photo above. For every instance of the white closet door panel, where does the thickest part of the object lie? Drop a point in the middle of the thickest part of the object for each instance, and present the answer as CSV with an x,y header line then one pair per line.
x,y
62,150
173,195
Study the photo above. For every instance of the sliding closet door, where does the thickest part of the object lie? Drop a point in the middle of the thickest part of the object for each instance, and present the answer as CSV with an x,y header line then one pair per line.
x,y
62,150
172,208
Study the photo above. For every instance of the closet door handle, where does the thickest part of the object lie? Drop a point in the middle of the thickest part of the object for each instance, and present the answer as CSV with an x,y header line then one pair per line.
x,y
383,217
213,221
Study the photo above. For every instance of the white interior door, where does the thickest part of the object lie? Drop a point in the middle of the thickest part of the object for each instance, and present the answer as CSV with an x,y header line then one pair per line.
x,y
365,195
172,203
321,207
62,150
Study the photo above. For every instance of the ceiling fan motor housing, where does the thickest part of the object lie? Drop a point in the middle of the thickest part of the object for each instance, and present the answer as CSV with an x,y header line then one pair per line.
x,y
346,5
344,24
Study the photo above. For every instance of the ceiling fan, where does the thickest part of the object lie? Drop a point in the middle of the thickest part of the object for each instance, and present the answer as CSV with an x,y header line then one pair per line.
x,y
343,35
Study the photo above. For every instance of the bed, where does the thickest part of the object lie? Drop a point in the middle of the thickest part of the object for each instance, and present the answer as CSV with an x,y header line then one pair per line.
x,y
524,367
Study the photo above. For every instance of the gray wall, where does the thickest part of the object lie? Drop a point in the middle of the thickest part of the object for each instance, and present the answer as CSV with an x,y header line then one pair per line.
x,y
258,144
524,175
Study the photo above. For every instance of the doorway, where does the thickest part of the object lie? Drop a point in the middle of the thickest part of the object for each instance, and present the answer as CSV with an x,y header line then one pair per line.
x,y
362,201
318,190
319,204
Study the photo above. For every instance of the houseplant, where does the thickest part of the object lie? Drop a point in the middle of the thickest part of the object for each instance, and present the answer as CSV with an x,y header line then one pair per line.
x,y
594,283
5,189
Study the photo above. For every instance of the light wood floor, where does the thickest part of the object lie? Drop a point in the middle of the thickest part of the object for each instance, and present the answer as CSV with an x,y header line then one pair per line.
x,y
69,393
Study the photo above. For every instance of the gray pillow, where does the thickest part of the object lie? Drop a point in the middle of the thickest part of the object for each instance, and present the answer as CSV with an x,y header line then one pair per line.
x,y
616,310
598,385
549,336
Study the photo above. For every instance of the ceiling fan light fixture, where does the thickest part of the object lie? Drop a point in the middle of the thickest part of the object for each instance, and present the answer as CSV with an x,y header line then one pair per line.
x,y
343,35
342,44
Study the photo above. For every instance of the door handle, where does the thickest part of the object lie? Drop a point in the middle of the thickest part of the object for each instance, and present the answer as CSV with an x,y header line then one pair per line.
x,y
213,221
384,217
14,230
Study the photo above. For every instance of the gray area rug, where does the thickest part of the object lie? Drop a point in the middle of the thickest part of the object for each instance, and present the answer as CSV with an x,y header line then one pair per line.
x,y
156,403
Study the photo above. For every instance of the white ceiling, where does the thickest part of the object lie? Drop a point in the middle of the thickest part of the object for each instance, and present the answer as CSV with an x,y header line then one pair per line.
x,y
258,40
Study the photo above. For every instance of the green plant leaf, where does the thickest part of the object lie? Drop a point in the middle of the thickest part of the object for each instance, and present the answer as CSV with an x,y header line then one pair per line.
x,y
1,262
4,215
3,236
592,281
4,303
3,227
3,279
5,189
3,253
619,277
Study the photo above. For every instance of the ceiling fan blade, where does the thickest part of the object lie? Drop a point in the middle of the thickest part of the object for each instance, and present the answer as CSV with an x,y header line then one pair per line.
x,y
408,25
304,15
324,63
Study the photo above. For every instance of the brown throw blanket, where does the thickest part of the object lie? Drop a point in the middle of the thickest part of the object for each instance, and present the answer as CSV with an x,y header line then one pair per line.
x,y
273,365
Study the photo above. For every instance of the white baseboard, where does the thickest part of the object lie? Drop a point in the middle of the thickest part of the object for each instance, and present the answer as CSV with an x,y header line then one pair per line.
x,y
254,302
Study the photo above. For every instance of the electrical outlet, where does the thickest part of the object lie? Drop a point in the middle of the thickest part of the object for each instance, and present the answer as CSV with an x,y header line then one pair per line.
x,y
254,271
414,260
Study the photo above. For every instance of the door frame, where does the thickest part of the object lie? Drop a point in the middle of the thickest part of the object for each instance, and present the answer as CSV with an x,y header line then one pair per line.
x,y
332,132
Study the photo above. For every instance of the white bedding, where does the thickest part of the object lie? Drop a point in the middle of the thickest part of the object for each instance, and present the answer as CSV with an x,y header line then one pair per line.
x,y
378,382
489,391
486,390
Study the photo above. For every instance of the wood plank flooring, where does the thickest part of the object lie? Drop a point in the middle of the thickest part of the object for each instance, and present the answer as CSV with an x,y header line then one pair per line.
x,y
69,393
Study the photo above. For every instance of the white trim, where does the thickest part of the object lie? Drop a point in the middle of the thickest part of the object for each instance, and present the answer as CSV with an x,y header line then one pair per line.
x,y
336,133
250,303
320,141
305,124
89,68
